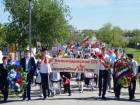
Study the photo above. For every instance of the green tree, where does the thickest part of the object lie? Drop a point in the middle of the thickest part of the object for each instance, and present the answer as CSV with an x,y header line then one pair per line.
x,y
110,34
88,33
50,22
3,41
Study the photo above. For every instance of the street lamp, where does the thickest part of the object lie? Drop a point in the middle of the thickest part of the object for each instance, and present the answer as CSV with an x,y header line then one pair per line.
x,y
30,46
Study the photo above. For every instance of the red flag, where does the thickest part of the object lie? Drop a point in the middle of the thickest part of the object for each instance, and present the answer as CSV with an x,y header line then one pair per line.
x,y
71,43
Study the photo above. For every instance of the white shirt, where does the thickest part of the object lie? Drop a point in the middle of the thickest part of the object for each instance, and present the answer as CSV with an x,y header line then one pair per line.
x,y
134,66
43,67
27,63
107,60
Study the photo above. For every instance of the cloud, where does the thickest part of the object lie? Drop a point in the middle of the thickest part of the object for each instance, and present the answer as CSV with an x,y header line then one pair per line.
x,y
87,3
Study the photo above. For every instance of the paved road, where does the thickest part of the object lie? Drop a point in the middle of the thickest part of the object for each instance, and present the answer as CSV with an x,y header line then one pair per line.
x,y
85,98
93,40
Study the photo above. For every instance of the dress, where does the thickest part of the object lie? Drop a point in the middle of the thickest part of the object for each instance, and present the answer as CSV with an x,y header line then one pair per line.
x,y
55,77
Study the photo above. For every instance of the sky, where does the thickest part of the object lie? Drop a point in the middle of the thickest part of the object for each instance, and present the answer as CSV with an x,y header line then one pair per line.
x,y
93,14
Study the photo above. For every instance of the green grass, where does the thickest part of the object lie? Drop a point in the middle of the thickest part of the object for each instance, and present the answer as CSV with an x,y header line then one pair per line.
x,y
135,52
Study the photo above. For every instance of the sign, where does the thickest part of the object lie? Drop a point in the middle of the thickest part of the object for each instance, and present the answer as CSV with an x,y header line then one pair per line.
x,y
75,65
38,45
5,51
54,50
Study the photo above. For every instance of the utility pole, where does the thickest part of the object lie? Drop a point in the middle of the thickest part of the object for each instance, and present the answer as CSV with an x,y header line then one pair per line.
x,y
30,43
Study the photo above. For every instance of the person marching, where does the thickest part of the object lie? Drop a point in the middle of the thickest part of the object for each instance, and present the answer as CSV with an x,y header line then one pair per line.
x,y
103,71
55,78
28,64
3,79
117,86
80,78
44,72
38,78
132,86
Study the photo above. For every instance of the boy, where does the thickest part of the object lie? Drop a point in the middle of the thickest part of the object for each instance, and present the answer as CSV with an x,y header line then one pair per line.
x,y
3,79
44,72
132,87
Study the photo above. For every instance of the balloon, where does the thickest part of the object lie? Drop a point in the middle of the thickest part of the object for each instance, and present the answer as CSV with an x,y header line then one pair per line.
x,y
63,47
112,56
100,51
110,51
66,45
96,49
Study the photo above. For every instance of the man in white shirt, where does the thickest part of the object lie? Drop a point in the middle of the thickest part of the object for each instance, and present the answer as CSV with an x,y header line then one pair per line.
x,y
44,72
103,72
132,87
29,66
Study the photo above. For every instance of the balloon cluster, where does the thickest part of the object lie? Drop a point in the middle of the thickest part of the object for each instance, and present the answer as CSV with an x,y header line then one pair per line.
x,y
112,55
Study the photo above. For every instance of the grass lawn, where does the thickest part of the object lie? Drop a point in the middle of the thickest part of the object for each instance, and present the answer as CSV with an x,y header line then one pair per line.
x,y
135,52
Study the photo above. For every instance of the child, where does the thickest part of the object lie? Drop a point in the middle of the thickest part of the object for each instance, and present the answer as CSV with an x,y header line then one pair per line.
x,y
38,80
55,78
3,79
80,78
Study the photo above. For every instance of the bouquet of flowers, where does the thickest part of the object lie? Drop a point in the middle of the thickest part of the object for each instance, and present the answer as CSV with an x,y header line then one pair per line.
x,y
124,73
16,79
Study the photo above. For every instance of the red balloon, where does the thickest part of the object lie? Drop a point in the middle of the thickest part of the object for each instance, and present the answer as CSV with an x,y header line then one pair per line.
x,y
110,51
66,45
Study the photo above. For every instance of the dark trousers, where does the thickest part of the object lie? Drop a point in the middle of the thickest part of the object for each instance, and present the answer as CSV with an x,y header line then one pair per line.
x,y
103,74
67,88
27,90
118,90
45,84
87,81
115,84
132,88
4,89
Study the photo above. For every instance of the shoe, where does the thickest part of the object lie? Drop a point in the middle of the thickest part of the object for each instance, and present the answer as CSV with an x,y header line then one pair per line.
x,y
41,95
79,89
69,95
81,92
5,101
130,99
29,100
23,99
118,98
44,98
99,94
109,90
133,97
103,97
59,93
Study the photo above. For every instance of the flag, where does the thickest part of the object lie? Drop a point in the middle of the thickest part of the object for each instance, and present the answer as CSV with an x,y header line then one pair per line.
x,y
71,43
85,40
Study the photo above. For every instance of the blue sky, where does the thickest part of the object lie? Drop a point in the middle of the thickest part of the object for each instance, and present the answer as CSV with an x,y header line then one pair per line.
x,y
92,14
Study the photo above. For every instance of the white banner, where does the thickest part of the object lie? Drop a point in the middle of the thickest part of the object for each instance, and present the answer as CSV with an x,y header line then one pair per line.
x,y
75,65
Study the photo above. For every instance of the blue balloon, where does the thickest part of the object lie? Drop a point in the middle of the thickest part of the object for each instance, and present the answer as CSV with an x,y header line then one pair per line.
x,y
63,47
112,56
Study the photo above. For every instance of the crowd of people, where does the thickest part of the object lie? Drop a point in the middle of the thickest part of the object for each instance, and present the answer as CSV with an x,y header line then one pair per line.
x,y
40,71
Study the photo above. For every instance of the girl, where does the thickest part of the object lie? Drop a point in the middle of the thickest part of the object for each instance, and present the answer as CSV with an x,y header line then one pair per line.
x,y
80,78
55,78
38,79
